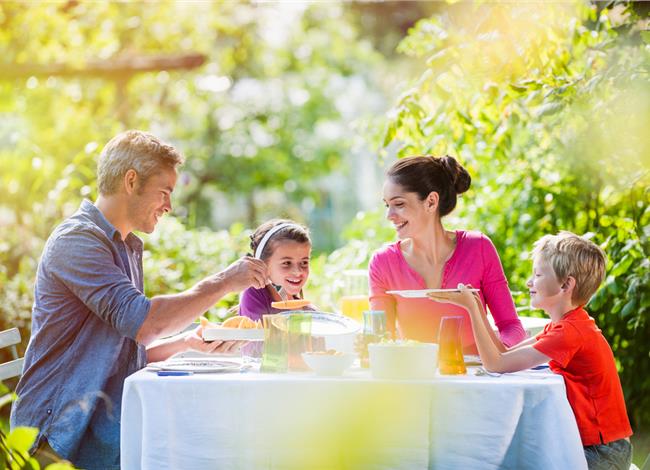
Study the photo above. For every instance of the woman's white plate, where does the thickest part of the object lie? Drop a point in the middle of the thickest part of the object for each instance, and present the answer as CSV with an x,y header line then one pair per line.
x,y
233,334
422,293
196,365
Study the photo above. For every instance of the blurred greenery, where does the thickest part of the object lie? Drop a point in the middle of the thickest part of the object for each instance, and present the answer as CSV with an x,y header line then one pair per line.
x,y
548,107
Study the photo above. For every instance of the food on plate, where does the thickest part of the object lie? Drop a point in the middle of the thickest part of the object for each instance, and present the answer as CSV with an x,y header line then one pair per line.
x,y
205,323
329,352
290,304
241,322
232,322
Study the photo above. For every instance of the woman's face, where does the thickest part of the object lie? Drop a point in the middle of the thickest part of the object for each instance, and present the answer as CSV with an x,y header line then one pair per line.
x,y
289,265
408,214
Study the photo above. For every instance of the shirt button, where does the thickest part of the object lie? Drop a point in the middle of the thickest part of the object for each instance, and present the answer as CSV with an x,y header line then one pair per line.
x,y
49,411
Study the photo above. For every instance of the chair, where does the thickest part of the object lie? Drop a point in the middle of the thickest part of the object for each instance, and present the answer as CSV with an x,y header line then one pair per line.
x,y
14,368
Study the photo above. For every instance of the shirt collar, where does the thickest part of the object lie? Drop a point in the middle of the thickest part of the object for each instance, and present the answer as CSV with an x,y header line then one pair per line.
x,y
93,213
576,312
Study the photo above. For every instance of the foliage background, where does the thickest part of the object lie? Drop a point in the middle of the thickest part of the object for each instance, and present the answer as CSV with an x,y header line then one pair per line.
x,y
547,107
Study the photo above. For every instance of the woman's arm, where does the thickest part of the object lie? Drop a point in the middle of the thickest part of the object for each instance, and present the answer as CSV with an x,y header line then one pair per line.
x,y
495,290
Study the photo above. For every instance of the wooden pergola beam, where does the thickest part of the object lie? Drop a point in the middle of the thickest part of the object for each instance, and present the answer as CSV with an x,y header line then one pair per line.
x,y
115,68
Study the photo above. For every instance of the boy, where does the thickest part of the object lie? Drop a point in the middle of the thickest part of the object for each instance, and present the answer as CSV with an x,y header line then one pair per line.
x,y
567,270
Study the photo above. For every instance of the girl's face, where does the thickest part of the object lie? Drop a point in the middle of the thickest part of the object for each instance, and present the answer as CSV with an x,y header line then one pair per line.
x,y
405,210
289,265
543,285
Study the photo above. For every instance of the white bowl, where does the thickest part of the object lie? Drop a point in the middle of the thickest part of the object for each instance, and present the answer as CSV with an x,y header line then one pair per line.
x,y
403,360
329,364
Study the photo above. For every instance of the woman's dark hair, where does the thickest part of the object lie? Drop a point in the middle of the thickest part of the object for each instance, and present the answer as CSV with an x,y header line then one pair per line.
x,y
424,174
294,232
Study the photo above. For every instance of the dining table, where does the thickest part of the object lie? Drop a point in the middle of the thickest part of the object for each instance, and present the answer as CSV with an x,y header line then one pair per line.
x,y
241,418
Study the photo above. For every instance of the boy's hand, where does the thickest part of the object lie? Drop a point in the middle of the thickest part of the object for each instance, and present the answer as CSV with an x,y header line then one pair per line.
x,y
464,298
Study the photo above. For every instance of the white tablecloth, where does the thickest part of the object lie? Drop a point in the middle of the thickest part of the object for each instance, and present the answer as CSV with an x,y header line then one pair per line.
x,y
300,421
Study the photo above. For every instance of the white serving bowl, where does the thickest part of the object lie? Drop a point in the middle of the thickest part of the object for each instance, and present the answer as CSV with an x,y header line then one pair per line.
x,y
403,360
329,364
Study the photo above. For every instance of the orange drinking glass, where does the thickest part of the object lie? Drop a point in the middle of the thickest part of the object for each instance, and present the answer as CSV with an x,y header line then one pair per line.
x,y
450,353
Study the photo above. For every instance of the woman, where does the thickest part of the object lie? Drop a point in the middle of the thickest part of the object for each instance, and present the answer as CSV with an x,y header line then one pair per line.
x,y
418,193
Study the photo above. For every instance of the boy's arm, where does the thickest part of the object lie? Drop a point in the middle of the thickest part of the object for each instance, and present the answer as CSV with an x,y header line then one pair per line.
x,y
495,358
485,325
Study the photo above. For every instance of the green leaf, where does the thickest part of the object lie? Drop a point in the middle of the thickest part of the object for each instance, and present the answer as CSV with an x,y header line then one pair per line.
x,y
548,109
646,36
22,438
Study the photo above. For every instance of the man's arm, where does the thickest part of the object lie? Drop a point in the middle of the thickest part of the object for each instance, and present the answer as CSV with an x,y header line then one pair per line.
x,y
163,349
169,314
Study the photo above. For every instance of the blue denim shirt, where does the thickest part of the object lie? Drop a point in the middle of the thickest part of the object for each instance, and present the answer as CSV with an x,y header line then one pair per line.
x,y
89,305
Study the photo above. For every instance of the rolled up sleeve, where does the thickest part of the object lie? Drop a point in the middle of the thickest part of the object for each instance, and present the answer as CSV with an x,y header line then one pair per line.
x,y
98,281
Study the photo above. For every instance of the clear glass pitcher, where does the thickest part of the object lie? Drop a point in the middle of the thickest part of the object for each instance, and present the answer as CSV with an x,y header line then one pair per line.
x,y
299,340
450,353
355,293
276,341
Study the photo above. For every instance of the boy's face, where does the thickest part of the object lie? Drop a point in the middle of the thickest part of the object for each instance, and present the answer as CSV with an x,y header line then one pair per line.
x,y
289,265
544,287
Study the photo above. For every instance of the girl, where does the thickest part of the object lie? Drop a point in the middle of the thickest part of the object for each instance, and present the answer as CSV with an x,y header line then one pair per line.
x,y
285,247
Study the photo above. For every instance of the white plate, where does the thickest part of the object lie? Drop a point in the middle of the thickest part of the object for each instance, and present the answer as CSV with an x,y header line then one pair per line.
x,y
472,359
422,293
197,365
328,324
233,334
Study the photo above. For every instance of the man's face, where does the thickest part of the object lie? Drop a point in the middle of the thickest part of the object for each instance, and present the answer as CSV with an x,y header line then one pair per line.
x,y
150,201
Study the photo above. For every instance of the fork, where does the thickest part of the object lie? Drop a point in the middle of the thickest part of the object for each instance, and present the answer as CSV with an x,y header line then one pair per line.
x,y
280,290
482,371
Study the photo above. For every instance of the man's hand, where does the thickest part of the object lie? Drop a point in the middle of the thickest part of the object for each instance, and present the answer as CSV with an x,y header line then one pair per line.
x,y
246,272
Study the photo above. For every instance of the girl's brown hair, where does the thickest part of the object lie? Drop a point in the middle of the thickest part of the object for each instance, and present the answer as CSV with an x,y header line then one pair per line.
x,y
293,232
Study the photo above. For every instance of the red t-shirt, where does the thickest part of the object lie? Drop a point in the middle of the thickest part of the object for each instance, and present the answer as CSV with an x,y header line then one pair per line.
x,y
580,353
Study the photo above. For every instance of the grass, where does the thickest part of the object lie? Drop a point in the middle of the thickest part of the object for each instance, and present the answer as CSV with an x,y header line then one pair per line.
x,y
640,447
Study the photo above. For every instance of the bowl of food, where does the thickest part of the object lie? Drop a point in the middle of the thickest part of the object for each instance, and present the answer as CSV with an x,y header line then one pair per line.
x,y
409,360
330,362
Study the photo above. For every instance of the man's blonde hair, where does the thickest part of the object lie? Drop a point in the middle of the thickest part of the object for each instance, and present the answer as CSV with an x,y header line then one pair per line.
x,y
137,150
575,256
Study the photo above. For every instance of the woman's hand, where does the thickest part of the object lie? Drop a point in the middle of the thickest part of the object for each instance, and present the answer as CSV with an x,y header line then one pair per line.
x,y
463,298
194,341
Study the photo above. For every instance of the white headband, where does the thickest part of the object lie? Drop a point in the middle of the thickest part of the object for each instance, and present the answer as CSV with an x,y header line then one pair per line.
x,y
267,236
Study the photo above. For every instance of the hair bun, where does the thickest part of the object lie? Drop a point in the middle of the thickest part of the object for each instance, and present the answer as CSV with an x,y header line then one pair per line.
x,y
458,174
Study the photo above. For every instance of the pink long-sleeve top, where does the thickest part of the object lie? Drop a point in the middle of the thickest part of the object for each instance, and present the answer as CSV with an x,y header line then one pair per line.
x,y
474,261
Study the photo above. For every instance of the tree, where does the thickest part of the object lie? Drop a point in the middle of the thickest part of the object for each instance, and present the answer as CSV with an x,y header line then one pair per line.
x,y
548,108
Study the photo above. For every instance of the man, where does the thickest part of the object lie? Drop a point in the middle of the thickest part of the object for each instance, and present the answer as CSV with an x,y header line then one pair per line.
x,y
92,325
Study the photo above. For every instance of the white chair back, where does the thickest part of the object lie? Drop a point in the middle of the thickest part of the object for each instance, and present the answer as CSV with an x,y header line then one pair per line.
x,y
14,368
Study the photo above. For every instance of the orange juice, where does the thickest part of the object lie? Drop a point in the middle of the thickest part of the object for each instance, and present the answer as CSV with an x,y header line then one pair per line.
x,y
354,305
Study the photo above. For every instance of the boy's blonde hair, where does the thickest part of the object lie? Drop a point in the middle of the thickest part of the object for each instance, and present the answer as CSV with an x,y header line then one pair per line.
x,y
575,256
137,150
